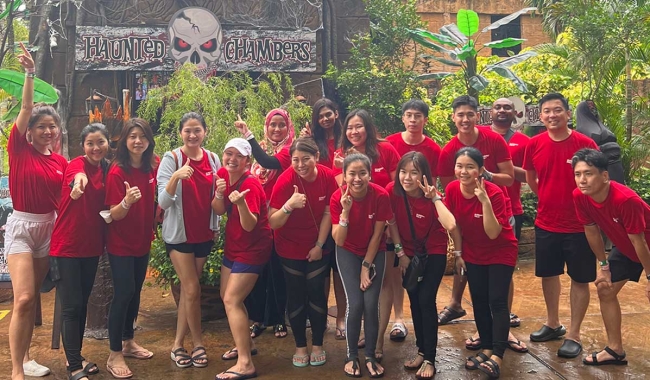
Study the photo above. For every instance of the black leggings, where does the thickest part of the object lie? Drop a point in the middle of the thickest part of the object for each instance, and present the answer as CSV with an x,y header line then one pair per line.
x,y
423,307
305,298
73,290
128,276
267,302
489,286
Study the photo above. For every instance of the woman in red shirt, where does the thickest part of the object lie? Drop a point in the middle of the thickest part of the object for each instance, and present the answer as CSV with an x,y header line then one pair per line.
x,y
247,249
78,241
431,220
360,256
186,185
488,256
267,302
300,217
35,178
130,194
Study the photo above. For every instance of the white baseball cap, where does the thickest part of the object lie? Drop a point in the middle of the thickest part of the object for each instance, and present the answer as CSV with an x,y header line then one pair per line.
x,y
241,145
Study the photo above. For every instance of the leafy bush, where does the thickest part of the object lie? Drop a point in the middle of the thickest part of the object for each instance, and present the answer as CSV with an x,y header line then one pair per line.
x,y
529,204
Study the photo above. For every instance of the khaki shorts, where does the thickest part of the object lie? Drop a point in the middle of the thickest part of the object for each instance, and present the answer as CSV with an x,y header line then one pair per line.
x,y
29,233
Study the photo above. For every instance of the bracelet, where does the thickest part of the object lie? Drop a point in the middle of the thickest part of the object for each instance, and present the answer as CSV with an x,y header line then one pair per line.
x,y
320,245
218,195
604,267
603,263
458,253
399,247
30,70
343,222
436,198
399,254
125,205
284,210
249,135
30,75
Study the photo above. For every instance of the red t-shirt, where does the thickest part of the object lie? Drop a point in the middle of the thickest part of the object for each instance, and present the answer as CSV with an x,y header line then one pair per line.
x,y
79,229
622,213
329,162
489,143
300,232
383,167
197,198
517,147
478,248
252,248
132,235
374,207
284,158
425,220
555,180
428,148
34,178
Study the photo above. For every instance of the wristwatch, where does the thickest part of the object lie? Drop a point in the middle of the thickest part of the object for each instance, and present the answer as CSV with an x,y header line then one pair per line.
x,y
436,198
603,263
320,245
367,264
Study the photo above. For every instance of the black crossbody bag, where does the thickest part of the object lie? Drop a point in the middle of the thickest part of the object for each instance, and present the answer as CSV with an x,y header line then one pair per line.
x,y
415,271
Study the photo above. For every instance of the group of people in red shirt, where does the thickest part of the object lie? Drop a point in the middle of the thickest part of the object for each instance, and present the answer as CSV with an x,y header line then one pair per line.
x,y
337,198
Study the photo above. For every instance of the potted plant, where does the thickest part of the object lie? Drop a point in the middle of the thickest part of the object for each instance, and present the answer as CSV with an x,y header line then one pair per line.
x,y
219,100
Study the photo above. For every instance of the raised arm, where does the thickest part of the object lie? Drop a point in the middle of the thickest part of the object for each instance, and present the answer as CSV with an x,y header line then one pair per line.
x,y
27,62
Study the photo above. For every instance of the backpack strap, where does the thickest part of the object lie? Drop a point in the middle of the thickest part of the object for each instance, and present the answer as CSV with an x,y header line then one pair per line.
x,y
509,135
175,158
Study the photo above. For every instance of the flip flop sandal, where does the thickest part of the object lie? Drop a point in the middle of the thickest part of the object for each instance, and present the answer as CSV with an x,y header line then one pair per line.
x,y
234,350
355,368
412,360
300,361
402,332
475,361
111,370
139,354
340,334
202,356
512,344
424,366
375,369
474,345
91,368
447,315
618,359
516,322
238,376
179,356
256,330
279,329
316,363
493,371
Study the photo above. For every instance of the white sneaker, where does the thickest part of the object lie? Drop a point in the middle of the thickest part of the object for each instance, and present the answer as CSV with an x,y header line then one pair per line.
x,y
34,369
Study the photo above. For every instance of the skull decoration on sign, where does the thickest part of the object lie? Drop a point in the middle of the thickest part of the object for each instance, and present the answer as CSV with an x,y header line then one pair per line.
x,y
195,36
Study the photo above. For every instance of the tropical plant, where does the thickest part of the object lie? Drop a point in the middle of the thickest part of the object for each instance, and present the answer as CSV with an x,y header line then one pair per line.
x,y
458,44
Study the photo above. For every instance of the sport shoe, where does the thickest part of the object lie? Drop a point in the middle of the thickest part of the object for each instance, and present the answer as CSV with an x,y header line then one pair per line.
x,y
31,368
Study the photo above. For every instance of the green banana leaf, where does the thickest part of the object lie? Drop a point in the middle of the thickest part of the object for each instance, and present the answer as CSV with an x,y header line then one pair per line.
x,y
5,13
434,76
467,21
12,113
13,81
504,43
508,74
478,82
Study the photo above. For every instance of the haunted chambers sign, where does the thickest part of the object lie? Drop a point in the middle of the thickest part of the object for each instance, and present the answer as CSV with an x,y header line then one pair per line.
x,y
194,35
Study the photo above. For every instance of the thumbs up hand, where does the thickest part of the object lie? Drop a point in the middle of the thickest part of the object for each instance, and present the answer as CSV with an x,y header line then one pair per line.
x,y
238,198
79,188
220,184
297,200
306,131
185,171
132,194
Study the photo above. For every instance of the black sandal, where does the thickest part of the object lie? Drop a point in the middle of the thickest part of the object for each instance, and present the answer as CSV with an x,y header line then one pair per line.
x,y
203,356
477,364
493,371
448,314
78,376
355,368
91,368
373,365
618,359
279,329
256,330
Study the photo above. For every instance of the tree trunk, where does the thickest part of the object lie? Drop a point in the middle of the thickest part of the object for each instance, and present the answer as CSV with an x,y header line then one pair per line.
x,y
99,302
8,38
42,39
628,94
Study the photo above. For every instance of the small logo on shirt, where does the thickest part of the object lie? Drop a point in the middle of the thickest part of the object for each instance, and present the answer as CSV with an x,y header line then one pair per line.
x,y
377,170
419,216
478,216
150,180
615,220
568,161
59,172
321,198
208,174
371,216
514,144
485,156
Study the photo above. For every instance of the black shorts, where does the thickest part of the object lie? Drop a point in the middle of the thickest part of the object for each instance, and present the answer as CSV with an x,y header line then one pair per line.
x,y
519,223
553,250
199,250
622,268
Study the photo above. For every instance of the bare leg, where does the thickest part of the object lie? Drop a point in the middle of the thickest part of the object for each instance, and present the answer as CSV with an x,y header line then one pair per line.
x,y
185,266
341,301
611,312
579,305
551,288
182,327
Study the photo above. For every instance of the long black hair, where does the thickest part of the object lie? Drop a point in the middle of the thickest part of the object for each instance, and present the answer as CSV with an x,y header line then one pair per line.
x,y
318,132
122,156
372,136
420,164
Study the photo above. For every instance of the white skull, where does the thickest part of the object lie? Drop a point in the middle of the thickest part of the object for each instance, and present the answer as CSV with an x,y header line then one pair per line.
x,y
195,36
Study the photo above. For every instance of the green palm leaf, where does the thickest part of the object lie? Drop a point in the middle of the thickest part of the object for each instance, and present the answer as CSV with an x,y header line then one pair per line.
x,y
13,81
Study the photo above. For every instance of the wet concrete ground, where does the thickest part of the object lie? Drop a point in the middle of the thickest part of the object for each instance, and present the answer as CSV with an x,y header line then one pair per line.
x,y
157,320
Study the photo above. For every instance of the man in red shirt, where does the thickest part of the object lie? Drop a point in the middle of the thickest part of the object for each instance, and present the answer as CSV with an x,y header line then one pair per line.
x,y
559,236
498,169
624,217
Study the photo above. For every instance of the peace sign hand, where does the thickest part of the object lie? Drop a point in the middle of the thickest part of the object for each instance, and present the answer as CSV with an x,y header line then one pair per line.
x,y
297,200
430,191
241,125
238,198
346,200
25,59
479,191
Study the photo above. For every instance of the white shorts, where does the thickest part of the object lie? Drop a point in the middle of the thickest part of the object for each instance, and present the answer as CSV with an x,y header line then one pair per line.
x,y
29,233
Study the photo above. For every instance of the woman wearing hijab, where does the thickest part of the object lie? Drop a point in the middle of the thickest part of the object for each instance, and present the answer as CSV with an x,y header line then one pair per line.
x,y
267,301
